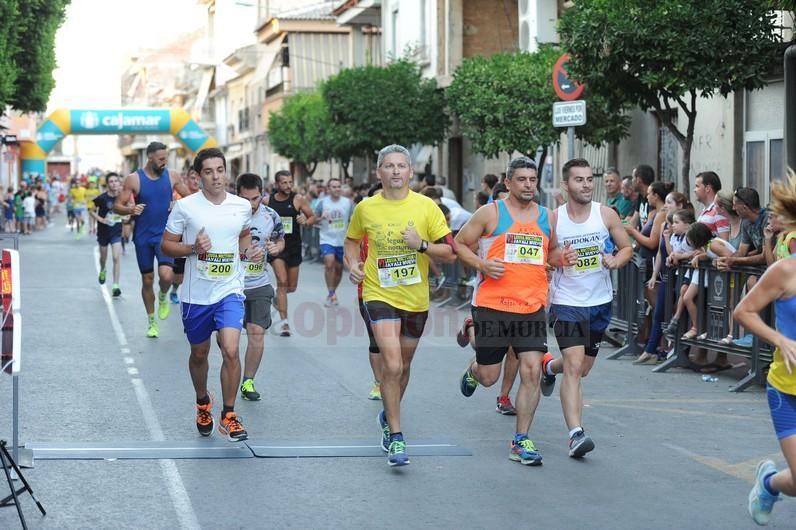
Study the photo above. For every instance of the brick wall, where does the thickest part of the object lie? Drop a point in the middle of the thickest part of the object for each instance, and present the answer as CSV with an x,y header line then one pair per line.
x,y
490,26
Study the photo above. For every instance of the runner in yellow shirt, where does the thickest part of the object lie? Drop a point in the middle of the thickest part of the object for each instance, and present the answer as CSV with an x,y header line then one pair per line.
x,y
404,229
78,194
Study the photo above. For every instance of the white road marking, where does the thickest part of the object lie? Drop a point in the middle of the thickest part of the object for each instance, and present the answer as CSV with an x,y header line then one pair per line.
x,y
174,485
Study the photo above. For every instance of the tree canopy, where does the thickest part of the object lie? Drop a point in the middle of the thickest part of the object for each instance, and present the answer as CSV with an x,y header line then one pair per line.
x,y
504,104
27,52
300,130
374,106
666,54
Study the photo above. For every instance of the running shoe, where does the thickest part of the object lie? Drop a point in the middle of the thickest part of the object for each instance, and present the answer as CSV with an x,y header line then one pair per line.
x,y
102,277
761,502
174,297
463,335
116,291
385,432
548,381
231,427
396,454
152,331
745,341
580,444
505,407
524,452
204,418
331,301
284,331
468,383
375,392
247,390
163,306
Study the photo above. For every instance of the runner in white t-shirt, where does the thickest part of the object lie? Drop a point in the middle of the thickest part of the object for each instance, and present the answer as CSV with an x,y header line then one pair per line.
x,y
268,234
215,230
333,212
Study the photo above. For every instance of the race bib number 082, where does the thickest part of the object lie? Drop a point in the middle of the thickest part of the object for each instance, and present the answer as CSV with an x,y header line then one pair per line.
x,y
589,261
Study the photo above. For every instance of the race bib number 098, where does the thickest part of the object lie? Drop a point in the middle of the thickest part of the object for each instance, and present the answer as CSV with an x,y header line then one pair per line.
x,y
287,224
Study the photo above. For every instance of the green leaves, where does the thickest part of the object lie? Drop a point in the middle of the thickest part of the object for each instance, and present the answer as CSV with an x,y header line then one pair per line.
x,y
299,129
372,106
504,104
27,51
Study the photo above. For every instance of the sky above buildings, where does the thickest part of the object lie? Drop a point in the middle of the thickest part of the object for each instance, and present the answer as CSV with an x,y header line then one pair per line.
x,y
91,46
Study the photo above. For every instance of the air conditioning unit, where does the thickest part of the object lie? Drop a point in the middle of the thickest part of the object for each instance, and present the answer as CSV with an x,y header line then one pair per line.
x,y
537,21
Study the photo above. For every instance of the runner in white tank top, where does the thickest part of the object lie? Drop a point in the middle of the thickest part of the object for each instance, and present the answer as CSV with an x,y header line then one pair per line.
x,y
581,295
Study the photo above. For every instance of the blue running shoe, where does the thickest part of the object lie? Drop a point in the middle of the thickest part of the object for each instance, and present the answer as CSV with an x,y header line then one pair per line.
x,y
524,452
174,297
397,456
468,383
745,341
385,432
761,501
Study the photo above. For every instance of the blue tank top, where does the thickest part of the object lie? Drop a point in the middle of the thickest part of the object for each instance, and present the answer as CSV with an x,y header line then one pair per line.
x,y
786,316
156,194
646,230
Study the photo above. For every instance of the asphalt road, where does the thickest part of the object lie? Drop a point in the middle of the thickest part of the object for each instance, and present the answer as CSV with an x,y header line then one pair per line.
x,y
672,451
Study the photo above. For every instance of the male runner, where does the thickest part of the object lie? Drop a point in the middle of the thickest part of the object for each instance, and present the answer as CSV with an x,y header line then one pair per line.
x,y
581,294
404,230
268,235
333,213
294,210
212,229
152,187
515,241
109,229
78,195
192,182
92,192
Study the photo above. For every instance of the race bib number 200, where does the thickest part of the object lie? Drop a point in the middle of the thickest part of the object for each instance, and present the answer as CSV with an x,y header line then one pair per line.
x,y
398,270
216,265
525,249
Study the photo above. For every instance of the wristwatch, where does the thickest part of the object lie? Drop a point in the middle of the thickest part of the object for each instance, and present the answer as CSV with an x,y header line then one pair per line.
x,y
423,246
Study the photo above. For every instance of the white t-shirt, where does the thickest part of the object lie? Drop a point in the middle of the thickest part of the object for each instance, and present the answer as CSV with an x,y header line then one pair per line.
x,y
212,276
335,223
266,225
29,205
459,216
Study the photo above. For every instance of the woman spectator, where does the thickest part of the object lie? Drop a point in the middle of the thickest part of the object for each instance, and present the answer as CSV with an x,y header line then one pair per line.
x,y
675,202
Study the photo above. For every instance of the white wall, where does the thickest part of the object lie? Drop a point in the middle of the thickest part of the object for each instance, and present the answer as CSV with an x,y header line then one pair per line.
x,y
416,26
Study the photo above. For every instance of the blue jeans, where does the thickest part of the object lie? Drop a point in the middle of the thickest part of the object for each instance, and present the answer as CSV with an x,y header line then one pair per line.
x,y
656,330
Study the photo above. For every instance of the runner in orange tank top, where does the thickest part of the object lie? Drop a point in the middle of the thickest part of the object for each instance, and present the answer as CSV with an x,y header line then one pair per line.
x,y
515,242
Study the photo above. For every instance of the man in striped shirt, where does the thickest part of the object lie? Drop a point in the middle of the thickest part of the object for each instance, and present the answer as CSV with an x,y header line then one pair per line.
x,y
707,185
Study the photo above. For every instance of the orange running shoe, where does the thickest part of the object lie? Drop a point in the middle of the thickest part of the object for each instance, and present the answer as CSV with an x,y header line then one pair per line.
x,y
204,418
231,427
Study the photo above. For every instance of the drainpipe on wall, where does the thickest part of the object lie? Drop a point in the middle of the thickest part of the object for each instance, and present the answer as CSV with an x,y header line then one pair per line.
x,y
790,106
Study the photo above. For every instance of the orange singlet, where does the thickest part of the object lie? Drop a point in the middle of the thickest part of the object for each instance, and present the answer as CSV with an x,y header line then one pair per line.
x,y
523,247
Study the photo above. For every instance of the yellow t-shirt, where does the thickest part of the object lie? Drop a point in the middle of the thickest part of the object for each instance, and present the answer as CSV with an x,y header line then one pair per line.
x,y
778,375
394,273
78,197
90,195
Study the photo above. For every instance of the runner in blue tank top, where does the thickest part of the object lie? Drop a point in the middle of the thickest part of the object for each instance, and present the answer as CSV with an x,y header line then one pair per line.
x,y
152,188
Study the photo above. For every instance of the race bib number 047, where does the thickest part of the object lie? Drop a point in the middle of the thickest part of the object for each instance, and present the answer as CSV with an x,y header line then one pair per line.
x,y
398,270
525,249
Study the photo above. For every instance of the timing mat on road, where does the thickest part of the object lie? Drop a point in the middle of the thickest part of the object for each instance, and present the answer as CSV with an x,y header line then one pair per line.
x,y
216,448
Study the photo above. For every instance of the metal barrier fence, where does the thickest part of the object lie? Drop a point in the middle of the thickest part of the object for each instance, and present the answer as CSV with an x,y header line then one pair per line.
x,y
311,243
718,292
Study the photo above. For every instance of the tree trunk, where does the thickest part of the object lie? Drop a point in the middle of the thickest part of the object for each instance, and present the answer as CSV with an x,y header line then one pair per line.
x,y
310,168
344,166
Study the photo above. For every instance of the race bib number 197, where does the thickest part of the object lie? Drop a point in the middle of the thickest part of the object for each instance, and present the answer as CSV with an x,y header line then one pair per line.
x,y
216,265
398,270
